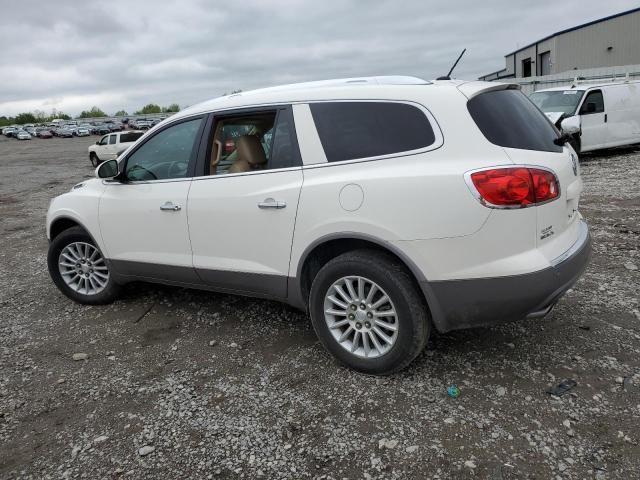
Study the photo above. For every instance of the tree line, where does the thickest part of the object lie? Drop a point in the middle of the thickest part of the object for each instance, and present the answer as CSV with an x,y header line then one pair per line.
x,y
39,116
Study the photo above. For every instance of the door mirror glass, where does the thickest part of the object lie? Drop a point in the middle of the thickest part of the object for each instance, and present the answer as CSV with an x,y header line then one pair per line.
x,y
108,169
570,125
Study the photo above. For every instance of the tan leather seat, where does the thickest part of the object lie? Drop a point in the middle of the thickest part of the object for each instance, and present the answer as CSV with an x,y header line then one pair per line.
x,y
250,155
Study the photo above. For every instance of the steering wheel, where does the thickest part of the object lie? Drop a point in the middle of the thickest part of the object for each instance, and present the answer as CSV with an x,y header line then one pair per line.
x,y
177,169
140,167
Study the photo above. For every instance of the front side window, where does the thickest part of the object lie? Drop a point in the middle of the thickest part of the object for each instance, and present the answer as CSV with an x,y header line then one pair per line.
x,y
593,103
165,155
104,140
353,130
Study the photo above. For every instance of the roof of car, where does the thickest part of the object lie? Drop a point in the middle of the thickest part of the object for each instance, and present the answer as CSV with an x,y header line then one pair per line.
x,y
343,88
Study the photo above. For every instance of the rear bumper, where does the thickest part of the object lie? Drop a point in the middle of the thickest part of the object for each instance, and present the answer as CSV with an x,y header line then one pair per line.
x,y
459,304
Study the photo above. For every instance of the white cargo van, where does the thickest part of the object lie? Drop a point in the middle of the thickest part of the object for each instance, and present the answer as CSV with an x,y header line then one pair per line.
x,y
608,114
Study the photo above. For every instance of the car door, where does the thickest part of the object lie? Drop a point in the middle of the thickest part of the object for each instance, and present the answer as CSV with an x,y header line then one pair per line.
x,y
143,216
242,224
111,147
594,121
101,149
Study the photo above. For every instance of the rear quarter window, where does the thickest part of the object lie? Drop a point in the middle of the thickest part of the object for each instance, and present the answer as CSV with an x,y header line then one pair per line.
x,y
353,130
509,119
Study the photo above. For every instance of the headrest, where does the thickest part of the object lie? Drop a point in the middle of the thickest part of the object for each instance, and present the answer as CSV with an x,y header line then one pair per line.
x,y
250,149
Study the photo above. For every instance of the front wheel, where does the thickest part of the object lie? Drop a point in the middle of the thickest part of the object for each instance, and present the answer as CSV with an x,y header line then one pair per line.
x,y
93,158
368,313
79,269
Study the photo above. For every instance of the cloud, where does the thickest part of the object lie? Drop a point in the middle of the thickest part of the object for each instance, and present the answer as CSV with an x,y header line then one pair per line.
x,y
123,54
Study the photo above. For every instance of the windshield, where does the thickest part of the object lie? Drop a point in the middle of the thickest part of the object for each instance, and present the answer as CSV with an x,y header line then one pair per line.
x,y
565,101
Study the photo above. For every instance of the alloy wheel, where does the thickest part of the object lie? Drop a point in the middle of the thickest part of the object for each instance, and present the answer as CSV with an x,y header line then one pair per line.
x,y
83,268
361,316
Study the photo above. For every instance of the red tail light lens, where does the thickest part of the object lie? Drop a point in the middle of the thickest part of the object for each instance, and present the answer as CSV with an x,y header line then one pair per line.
x,y
515,186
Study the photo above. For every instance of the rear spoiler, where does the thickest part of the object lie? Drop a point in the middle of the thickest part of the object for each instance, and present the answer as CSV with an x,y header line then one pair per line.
x,y
471,89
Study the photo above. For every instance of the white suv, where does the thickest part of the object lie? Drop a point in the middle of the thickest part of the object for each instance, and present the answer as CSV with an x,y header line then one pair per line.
x,y
385,206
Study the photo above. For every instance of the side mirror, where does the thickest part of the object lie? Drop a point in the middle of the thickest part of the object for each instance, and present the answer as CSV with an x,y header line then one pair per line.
x,y
570,125
97,142
108,169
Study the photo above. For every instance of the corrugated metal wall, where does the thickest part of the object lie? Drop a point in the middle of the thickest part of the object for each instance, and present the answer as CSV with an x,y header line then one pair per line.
x,y
609,43
588,47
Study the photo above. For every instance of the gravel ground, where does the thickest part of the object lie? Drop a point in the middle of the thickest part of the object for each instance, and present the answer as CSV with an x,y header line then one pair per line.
x,y
184,384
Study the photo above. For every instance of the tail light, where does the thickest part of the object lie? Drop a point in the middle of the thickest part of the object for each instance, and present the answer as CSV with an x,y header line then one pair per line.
x,y
514,187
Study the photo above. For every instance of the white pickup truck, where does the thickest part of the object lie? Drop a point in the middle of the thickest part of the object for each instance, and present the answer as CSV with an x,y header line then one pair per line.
x,y
112,145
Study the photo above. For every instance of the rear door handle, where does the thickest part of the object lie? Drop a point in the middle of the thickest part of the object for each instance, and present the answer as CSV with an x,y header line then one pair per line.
x,y
170,207
271,203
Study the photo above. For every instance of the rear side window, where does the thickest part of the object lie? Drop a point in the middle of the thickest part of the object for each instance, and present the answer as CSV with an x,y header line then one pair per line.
x,y
509,119
352,130
130,136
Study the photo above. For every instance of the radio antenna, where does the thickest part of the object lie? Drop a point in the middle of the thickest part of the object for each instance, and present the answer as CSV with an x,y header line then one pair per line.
x,y
448,75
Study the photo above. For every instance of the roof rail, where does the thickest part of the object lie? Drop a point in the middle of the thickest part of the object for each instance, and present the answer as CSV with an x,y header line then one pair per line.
x,y
379,80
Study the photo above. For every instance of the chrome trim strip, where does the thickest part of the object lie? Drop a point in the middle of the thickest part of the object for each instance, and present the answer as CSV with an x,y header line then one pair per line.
x,y
474,191
579,243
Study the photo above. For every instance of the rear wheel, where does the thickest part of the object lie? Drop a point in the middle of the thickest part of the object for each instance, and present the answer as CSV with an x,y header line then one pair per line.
x,y
79,269
94,159
368,313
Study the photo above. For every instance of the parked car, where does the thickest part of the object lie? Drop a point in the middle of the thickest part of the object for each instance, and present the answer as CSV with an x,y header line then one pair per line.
x,y
44,134
23,135
425,205
112,145
114,127
81,132
8,131
101,129
64,132
607,115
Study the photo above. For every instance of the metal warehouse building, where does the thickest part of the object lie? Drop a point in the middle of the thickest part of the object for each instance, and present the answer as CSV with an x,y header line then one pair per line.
x,y
607,42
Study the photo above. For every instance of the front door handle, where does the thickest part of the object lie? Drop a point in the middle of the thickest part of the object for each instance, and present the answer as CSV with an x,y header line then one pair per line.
x,y
271,203
170,207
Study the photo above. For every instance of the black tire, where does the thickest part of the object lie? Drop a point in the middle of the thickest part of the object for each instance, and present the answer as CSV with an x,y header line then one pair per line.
x,y
93,158
414,324
71,235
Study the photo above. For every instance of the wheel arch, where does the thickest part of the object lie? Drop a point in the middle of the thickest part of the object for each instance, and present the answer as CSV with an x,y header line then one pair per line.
x,y
330,246
62,223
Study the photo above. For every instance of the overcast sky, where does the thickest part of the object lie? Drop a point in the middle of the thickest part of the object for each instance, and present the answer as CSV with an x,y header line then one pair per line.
x,y
71,55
